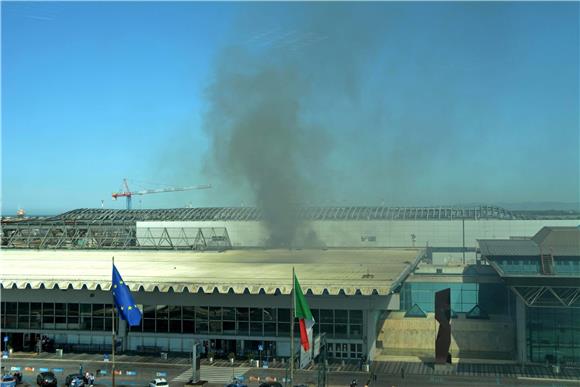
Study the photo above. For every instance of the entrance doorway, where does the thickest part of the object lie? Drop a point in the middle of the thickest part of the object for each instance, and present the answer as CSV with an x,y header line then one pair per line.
x,y
258,348
222,347
22,342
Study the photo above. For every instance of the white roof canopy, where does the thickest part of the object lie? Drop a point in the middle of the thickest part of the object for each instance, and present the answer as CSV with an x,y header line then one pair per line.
x,y
332,271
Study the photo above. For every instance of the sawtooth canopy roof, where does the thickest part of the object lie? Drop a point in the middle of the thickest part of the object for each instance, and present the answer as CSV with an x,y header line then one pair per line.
x,y
89,215
258,271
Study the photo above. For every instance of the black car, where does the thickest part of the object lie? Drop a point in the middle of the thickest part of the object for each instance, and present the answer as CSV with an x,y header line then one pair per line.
x,y
18,376
237,383
46,379
71,377
270,384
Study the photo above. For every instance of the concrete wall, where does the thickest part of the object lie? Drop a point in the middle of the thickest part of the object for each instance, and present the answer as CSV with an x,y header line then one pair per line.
x,y
386,233
417,335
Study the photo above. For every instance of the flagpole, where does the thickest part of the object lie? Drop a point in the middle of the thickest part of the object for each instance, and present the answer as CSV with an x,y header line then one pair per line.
x,y
292,331
113,334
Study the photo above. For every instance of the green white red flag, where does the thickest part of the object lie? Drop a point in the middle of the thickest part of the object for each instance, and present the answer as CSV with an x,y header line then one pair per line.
x,y
303,313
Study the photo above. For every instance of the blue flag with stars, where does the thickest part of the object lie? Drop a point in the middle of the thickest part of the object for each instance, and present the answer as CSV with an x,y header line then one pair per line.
x,y
124,300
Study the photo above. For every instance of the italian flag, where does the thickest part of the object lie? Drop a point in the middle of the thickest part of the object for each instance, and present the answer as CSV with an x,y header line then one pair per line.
x,y
303,313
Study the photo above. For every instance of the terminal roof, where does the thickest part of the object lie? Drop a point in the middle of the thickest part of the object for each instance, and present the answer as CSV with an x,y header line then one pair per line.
x,y
342,213
551,257
255,271
558,241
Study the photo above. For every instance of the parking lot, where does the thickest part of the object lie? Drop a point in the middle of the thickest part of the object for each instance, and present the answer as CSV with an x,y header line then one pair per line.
x,y
139,370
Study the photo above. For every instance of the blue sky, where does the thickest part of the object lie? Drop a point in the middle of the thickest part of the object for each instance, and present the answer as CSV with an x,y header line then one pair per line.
x,y
456,103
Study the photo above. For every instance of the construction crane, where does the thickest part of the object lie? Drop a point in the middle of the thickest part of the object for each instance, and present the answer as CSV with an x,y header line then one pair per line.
x,y
128,194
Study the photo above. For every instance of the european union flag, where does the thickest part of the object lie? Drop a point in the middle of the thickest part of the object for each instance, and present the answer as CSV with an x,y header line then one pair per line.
x,y
124,300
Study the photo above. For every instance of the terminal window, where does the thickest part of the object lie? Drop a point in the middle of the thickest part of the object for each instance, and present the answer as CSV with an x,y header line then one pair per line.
x,y
204,320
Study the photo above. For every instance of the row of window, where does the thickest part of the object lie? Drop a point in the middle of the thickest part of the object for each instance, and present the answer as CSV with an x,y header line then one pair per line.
x,y
562,266
241,328
244,321
519,261
54,309
178,319
557,261
344,350
86,323
179,312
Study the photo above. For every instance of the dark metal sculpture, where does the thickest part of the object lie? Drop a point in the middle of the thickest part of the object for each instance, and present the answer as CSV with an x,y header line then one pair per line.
x,y
443,316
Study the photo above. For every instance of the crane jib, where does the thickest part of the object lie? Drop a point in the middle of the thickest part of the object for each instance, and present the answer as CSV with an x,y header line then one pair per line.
x,y
128,194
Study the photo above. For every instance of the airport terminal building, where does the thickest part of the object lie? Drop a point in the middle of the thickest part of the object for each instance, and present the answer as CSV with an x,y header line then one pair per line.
x,y
232,300
543,272
207,275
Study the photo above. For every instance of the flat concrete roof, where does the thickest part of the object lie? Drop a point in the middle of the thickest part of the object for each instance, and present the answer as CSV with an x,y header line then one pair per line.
x,y
470,273
557,241
255,271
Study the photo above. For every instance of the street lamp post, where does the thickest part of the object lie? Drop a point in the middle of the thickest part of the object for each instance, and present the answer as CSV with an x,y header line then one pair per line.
x,y
322,371
286,374
194,374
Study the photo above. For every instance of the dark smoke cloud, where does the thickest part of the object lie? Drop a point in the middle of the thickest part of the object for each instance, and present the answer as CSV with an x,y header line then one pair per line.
x,y
262,121
368,104
316,107
259,138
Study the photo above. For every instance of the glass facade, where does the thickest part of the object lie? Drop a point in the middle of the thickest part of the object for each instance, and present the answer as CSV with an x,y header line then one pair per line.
x,y
243,321
50,315
201,320
344,350
492,298
519,265
553,334
567,266
532,265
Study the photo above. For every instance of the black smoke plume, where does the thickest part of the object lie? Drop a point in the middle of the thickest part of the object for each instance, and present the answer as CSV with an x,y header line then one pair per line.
x,y
263,104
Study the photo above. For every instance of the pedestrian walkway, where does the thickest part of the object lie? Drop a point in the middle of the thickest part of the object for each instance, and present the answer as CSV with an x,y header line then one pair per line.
x,y
225,363
213,374
469,369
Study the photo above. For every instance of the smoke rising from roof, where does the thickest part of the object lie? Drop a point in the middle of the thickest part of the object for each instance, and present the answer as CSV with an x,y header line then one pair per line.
x,y
346,104
259,138
260,113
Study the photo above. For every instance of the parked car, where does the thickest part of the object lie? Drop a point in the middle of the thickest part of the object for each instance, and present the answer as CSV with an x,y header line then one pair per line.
x,y
46,379
158,382
270,384
17,376
8,381
80,383
237,383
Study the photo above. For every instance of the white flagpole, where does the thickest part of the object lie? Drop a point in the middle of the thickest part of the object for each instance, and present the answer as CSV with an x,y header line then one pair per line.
x,y
113,333
292,330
